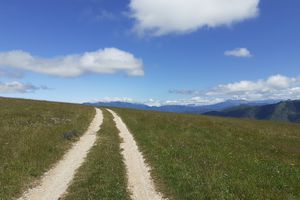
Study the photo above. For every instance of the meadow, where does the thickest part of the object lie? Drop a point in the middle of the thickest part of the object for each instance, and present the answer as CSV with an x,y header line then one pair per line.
x,y
200,157
191,156
32,139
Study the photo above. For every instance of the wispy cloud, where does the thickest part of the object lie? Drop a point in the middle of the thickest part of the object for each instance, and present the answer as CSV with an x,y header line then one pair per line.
x,y
194,101
161,17
182,91
105,15
112,99
238,52
96,14
18,87
103,61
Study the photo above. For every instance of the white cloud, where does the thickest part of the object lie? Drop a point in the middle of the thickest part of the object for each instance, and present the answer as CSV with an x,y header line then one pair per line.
x,y
239,52
152,102
161,17
274,87
277,86
103,61
17,87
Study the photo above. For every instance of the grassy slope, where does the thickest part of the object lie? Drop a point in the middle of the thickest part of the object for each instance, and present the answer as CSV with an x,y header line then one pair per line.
x,y
103,174
199,157
31,139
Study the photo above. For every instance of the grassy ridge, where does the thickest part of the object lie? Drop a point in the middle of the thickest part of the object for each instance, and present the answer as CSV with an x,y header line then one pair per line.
x,y
103,175
198,157
31,139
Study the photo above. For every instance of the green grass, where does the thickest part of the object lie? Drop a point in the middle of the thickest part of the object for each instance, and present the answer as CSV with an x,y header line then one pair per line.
x,y
31,139
198,157
103,175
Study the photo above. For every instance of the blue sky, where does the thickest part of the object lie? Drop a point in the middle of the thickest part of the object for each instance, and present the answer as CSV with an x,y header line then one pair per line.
x,y
183,53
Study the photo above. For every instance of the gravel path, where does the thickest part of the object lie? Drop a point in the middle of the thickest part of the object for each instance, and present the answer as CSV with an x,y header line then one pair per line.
x,y
55,182
140,183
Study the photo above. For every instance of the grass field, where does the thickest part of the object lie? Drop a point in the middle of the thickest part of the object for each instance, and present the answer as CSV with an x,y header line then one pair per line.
x,y
192,157
103,174
199,157
32,139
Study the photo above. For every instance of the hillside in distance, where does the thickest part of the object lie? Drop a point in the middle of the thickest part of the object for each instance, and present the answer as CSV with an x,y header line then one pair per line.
x,y
287,111
192,108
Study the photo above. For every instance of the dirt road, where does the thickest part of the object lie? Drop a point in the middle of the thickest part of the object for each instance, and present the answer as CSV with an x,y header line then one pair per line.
x,y
139,180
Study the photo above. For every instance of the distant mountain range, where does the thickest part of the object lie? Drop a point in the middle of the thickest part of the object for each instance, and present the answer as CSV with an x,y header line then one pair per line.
x,y
194,109
288,111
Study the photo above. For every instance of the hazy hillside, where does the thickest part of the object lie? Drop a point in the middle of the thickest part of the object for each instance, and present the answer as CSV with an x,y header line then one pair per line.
x,y
288,111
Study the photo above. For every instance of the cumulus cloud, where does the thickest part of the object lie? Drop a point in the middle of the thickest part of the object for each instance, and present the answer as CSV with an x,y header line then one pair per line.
x,y
238,52
103,61
17,87
161,17
274,87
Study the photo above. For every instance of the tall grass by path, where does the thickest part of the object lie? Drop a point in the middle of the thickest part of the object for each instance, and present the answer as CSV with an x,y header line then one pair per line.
x,y
32,139
198,157
103,174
